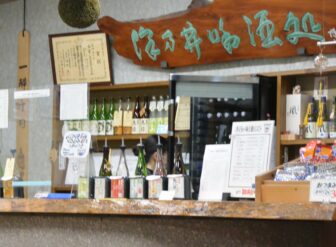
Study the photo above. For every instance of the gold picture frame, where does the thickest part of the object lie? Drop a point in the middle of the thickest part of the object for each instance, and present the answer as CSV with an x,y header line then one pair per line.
x,y
83,57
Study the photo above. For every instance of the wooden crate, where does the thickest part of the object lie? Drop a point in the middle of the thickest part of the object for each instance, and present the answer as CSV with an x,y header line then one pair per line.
x,y
268,190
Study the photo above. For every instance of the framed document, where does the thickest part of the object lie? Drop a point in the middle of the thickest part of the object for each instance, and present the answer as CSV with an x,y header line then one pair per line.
x,y
81,58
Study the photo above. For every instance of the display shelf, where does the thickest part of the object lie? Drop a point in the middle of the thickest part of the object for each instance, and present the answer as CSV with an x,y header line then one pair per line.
x,y
178,208
304,142
126,137
140,85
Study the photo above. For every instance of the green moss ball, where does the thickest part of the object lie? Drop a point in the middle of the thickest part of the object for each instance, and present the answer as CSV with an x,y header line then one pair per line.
x,y
79,13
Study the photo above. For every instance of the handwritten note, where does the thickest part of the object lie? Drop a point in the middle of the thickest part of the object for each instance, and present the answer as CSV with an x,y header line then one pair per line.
x,y
4,109
76,144
76,168
322,190
216,162
182,119
252,152
74,102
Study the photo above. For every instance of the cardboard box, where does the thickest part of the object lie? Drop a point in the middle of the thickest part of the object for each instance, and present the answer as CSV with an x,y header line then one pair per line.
x,y
268,190
296,107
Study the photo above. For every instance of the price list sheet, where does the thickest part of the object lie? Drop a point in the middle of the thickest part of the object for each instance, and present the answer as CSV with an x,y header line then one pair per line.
x,y
251,154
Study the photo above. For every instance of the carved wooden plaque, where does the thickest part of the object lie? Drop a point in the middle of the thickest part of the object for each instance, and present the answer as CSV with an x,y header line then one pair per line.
x,y
225,30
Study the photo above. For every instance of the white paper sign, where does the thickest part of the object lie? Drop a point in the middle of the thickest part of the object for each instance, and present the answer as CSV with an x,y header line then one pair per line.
x,y
9,169
167,195
76,144
216,162
31,94
182,118
74,102
4,109
252,152
76,168
322,190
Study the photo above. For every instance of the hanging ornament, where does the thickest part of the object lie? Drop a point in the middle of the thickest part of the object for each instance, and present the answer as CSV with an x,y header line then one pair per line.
x,y
79,13
321,62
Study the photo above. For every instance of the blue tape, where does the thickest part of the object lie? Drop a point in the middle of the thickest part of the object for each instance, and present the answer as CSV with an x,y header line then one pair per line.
x,y
31,183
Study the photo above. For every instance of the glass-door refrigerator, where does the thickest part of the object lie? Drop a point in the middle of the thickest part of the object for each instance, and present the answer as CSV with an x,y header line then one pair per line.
x,y
205,108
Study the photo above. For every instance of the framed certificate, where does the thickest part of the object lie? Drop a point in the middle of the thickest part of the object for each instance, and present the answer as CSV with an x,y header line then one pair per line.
x,y
83,57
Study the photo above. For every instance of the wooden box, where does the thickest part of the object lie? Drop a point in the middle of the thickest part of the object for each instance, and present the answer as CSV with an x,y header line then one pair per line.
x,y
268,190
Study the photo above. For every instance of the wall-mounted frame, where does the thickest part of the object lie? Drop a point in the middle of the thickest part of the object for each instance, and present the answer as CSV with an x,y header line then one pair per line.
x,y
83,57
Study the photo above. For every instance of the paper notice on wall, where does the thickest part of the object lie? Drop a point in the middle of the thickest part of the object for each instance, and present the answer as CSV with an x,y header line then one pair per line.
x,y
216,163
252,152
4,109
182,118
74,102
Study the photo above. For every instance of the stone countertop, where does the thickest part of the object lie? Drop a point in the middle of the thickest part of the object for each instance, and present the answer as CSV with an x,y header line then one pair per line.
x,y
177,208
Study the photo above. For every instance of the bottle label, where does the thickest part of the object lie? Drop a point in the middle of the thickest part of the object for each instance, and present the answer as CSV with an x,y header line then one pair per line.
x,y
144,126
128,120
160,105
94,127
76,125
332,129
166,105
137,188
99,188
152,126
86,125
160,121
83,188
101,127
165,121
154,188
152,106
311,130
117,188
117,118
176,183
136,126
109,127
322,132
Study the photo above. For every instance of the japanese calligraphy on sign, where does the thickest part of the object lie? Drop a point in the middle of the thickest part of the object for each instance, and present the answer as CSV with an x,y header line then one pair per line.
x,y
322,190
218,33
80,58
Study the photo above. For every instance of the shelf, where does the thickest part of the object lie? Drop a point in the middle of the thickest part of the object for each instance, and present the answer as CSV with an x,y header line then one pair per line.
x,y
178,208
126,137
304,142
142,85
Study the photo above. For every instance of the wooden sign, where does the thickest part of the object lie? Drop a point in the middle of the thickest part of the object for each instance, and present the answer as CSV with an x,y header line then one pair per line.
x,y
22,105
225,30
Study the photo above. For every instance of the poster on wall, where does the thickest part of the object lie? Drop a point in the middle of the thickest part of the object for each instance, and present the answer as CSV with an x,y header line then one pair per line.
x,y
80,58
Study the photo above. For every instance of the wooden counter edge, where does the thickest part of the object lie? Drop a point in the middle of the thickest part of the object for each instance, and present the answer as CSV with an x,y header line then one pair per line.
x,y
177,208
